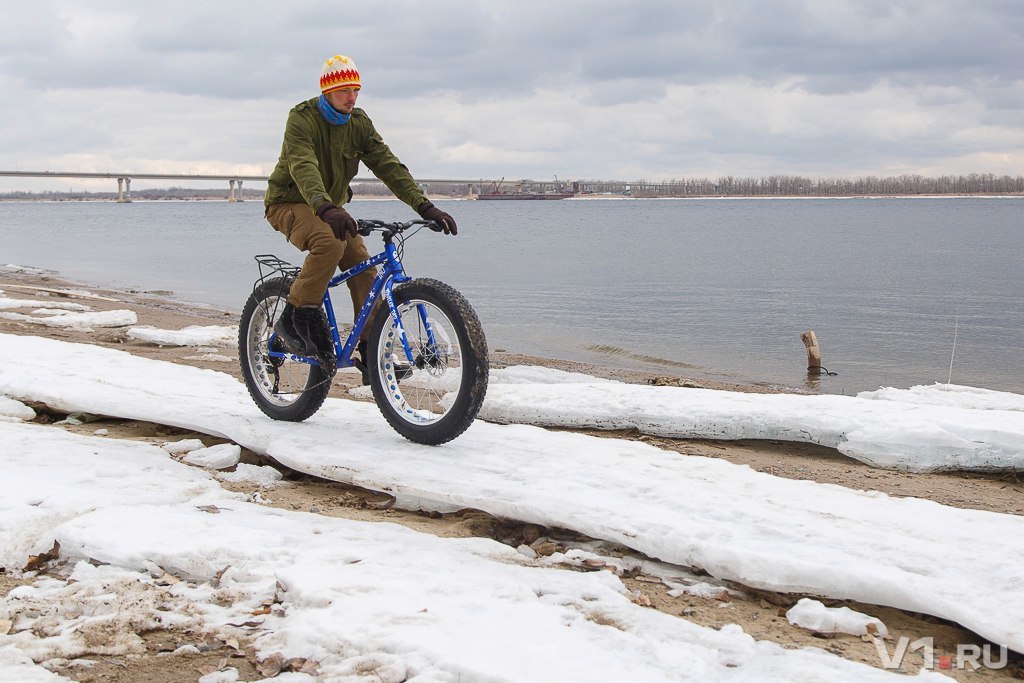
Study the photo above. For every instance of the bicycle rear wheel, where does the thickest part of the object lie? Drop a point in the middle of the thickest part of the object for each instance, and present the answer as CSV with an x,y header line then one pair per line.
x,y
438,396
284,389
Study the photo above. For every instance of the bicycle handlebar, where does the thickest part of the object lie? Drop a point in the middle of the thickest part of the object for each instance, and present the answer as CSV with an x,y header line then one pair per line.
x,y
369,225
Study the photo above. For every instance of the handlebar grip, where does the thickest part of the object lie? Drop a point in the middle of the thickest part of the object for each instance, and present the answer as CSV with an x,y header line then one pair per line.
x,y
435,226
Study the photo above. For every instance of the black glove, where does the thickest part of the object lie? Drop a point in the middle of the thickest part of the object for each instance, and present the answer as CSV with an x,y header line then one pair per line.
x,y
340,220
429,212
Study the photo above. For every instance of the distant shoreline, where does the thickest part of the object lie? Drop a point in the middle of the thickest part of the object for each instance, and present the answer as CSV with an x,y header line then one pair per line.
x,y
580,197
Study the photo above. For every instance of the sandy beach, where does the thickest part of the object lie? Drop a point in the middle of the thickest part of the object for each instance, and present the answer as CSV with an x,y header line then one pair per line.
x,y
759,613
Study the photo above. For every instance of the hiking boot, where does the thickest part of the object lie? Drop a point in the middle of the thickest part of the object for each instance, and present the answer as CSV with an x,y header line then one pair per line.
x,y
291,328
312,328
403,371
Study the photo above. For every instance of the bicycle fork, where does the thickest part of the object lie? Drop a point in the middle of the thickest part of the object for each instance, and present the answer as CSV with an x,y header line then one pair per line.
x,y
400,328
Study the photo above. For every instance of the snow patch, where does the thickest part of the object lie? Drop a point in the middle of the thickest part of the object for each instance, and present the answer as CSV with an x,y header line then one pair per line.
x,y
16,410
815,616
84,322
183,446
260,475
219,457
193,335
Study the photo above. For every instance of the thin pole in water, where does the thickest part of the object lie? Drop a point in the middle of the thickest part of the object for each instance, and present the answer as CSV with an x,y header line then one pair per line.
x,y
956,329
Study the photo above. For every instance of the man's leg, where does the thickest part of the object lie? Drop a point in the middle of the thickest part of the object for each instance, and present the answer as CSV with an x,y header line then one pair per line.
x,y
359,286
299,323
306,231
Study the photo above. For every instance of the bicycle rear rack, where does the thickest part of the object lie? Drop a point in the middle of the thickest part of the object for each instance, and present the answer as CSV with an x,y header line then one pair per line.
x,y
271,265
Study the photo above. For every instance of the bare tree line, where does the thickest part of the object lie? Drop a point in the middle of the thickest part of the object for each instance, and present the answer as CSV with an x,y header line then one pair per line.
x,y
800,186
771,186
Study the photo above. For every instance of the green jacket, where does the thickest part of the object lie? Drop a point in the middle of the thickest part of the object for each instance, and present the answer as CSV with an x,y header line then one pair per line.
x,y
318,160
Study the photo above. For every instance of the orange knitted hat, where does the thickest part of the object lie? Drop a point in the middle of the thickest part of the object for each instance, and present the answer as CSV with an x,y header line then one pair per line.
x,y
339,72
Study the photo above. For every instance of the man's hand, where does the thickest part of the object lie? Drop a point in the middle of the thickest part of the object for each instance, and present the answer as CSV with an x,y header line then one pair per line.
x,y
341,222
429,212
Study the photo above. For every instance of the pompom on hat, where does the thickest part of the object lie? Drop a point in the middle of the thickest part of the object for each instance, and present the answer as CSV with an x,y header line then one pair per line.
x,y
339,72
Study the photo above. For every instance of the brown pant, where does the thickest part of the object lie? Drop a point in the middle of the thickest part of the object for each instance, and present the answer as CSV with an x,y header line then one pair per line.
x,y
325,252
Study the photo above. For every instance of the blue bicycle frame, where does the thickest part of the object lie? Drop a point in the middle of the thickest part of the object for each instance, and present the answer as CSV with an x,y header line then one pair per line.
x,y
391,274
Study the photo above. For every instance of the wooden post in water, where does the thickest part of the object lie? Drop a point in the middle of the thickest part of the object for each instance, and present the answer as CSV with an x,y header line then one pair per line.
x,y
810,341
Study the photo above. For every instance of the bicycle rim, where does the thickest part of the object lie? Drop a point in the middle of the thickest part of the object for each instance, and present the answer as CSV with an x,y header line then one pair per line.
x,y
279,381
423,391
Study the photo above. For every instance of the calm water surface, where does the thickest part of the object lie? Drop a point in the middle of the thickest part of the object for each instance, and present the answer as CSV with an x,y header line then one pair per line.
x,y
713,288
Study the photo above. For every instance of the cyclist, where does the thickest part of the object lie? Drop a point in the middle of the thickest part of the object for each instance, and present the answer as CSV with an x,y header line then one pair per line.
x,y
325,138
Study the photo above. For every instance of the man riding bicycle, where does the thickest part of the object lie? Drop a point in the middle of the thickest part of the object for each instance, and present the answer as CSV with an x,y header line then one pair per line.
x,y
325,138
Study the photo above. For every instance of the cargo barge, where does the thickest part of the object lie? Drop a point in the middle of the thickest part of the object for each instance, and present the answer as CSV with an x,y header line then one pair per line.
x,y
559,191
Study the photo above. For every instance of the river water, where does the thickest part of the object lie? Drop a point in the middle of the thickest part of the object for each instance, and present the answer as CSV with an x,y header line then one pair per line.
x,y
895,289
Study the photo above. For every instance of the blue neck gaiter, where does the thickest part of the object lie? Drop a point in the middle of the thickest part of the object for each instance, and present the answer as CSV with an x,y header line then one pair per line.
x,y
330,114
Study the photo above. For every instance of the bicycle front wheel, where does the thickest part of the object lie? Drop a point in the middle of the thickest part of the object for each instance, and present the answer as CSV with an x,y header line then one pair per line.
x,y
434,395
284,389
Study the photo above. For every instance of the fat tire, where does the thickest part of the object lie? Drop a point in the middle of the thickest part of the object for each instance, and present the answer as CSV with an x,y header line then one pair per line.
x,y
254,328
473,357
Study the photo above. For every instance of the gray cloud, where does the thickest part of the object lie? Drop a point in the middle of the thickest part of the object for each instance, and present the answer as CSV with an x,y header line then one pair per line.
x,y
225,48
531,88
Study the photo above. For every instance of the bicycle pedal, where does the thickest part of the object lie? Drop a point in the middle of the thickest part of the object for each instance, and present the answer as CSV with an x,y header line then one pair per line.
x,y
403,371
363,370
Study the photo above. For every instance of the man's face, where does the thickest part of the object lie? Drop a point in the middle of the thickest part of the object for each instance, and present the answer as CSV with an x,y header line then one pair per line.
x,y
343,99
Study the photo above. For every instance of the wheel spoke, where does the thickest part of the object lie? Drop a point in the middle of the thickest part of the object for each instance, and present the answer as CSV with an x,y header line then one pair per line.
x,y
283,387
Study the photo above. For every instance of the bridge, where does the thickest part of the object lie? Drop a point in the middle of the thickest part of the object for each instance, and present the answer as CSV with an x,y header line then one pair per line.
x,y
124,180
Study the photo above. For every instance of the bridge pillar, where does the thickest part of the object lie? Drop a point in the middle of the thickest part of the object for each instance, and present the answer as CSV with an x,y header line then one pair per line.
x,y
232,197
124,196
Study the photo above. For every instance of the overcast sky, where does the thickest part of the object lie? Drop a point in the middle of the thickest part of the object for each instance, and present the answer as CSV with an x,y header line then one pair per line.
x,y
658,89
